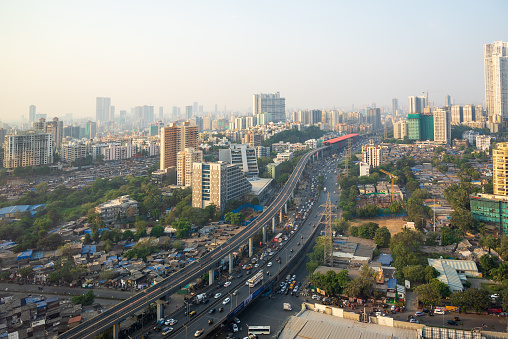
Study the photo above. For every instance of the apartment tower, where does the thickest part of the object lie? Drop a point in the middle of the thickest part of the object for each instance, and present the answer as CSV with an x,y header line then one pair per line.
x,y
184,161
500,168
174,139
496,81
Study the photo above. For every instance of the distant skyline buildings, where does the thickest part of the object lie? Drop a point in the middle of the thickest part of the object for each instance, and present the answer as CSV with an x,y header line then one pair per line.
x,y
269,107
102,109
416,104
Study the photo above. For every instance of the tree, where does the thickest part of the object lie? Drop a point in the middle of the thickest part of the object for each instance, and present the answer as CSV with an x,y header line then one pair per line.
x,y
471,299
488,241
501,272
488,263
359,287
157,231
50,242
430,273
428,294
26,272
444,290
414,273
395,207
331,282
128,235
85,299
382,237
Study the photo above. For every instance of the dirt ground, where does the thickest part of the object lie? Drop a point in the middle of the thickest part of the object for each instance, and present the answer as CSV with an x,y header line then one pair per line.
x,y
393,225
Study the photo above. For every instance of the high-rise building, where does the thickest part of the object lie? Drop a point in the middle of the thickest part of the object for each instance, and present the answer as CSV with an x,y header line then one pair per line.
x,y
417,104
111,116
55,128
457,115
28,148
217,183
483,142
271,106
395,106
374,118
31,114
161,112
184,161
468,113
500,168
400,129
91,130
448,101
420,126
243,156
372,155
253,139
195,108
496,80
188,112
442,126
175,112
175,138
102,109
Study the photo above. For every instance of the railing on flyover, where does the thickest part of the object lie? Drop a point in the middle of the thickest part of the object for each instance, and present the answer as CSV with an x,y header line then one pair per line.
x,y
197,268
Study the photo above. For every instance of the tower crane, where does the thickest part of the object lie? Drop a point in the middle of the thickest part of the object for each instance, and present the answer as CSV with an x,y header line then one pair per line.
x,y
393,177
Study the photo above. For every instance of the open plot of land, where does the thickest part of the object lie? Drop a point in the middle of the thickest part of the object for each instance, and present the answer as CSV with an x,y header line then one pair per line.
x,y
393,225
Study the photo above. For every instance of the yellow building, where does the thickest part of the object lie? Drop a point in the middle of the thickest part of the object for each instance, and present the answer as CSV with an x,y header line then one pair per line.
x,y
500,168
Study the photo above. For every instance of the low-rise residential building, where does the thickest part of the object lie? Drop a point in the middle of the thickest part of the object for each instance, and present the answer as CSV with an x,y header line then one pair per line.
x,y
285,156
117,209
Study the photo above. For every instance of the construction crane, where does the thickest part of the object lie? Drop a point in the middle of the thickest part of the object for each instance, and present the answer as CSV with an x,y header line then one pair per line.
x,y
393,177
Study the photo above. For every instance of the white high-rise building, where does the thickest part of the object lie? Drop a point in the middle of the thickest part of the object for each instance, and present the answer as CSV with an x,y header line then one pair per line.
x,y
29,148
184,161
102,109
442,126
496,80
372,155
400,129
269,107
483,142
242,155
417,104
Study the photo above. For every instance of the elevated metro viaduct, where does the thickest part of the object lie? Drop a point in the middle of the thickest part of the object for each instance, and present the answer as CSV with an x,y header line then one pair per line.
x,y
113,316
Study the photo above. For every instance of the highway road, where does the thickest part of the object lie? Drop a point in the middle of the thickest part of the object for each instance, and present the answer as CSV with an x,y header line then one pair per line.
x,y
186,329
192,272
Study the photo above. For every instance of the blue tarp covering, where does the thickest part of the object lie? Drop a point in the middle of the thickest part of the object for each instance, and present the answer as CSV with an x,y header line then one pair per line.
x,y
6,244
385,259
51,300
41,304
20,209
391,284
37,255
130,244
25,255
32,300
88,249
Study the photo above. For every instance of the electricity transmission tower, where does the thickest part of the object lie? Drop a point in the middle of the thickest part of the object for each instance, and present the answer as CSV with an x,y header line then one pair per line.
x,y
327,246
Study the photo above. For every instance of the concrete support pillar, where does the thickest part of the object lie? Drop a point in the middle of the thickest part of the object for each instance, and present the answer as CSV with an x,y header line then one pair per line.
x,y
280,216
286,208
230,262
251,247
264,234
160,309
211,277
116,330
273,224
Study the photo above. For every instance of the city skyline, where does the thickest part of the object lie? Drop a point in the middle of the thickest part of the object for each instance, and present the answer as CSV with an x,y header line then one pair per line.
x,y
61,57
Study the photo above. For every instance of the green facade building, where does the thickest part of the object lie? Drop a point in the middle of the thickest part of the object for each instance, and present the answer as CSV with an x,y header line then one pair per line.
x,y
420,126
491,209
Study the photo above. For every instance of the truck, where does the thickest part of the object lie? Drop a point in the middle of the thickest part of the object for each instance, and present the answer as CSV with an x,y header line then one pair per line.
x,y
200,297
287,307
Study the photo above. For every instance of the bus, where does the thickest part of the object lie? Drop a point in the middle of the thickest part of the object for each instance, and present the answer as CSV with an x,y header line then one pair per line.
x,y
259,330
255,279
277,238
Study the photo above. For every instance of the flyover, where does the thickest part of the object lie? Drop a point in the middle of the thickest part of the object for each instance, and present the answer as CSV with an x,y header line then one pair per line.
x,y
113,316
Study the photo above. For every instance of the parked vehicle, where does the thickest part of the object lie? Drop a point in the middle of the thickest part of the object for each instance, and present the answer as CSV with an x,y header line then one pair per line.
x,y
287,307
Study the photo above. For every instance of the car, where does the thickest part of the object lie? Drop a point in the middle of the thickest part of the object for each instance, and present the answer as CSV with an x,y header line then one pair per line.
x,y
218,295
235,328
291,250
192,313
199,332
227,283
172,321
166,322
419,313
413,320
256,265
236,320
211,311
235,292
210,321
167,330
269,264
439,312
315,297
452,322
226,301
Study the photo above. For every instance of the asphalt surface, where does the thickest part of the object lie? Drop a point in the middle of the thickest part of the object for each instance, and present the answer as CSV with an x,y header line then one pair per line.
x,y
195,270
184,329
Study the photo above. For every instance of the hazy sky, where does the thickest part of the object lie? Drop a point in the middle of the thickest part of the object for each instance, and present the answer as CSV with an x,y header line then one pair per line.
x,y
60,55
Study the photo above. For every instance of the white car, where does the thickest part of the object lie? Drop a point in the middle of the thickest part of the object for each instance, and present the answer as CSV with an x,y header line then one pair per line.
x,y
172,321
439,312
218,295
235,292
256,266
235,328
227,284
226,301
269,264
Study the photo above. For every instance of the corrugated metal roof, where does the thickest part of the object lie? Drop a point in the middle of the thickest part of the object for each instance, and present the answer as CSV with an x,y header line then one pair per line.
x,y
461,265
447,274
